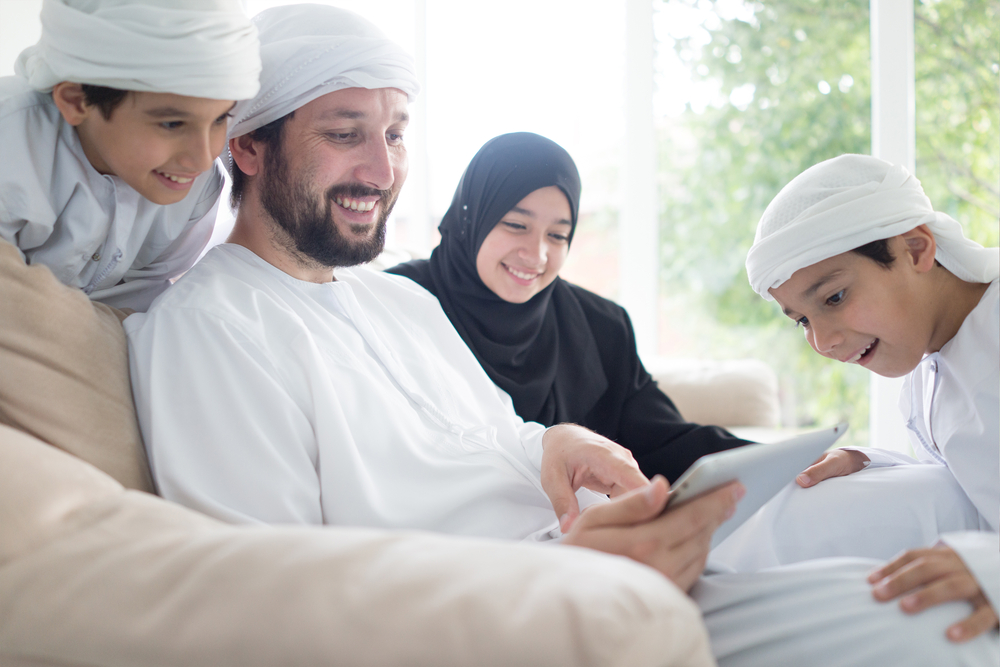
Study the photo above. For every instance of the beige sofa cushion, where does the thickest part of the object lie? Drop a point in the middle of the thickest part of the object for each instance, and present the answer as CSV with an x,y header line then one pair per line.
x,y
740,392
91,574
65,371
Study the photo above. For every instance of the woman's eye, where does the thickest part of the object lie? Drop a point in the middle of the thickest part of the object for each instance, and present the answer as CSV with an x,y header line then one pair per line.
x,y
513,226
221,120
836,298
560,238
171,124
802,322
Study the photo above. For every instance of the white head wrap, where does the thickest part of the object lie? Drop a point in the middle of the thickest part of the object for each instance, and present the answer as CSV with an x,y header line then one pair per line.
x,y
206,48
842,204
311,50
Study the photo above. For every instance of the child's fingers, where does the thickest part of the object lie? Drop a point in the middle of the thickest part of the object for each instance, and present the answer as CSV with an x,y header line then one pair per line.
x,y
916,573
835,463
827,466
981,620
893,565
951,587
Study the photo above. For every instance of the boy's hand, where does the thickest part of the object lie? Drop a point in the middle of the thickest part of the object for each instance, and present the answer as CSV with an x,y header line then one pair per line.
x,y
835,463
929,577
574,457
676,542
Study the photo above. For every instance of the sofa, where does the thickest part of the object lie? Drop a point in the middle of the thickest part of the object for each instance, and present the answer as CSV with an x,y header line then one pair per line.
x,y
95,569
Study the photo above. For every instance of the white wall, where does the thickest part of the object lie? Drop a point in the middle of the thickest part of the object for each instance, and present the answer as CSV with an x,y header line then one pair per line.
x,y
20,27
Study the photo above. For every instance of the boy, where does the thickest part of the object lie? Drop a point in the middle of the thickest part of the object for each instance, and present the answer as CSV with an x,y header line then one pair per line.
x,y
110,133
852,251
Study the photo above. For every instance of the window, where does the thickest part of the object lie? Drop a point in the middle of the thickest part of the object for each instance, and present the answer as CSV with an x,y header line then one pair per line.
x,y
751,94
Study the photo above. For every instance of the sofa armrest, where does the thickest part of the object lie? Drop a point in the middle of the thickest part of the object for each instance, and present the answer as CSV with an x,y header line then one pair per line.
x,y
120,578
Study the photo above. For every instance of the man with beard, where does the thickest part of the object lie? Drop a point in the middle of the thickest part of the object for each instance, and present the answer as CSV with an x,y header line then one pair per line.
x,y
275,385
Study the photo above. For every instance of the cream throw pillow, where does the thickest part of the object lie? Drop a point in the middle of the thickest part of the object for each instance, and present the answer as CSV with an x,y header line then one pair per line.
x,y
91,574
738,392
64,376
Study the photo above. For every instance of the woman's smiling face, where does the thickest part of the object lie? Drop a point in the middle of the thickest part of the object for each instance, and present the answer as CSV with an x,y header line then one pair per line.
x,y
524,252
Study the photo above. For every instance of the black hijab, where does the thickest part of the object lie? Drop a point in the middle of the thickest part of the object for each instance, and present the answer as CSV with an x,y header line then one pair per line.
x,y
541,352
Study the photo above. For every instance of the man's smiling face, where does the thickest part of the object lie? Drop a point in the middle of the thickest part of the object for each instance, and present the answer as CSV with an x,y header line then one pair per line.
x,y
336,174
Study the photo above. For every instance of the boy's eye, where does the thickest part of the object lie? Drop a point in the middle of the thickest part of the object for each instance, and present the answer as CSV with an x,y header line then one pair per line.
x,y
171,124
836,298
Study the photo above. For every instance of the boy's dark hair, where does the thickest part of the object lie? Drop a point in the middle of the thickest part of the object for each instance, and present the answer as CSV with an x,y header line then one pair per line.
x,y
104,98
878,252
269,135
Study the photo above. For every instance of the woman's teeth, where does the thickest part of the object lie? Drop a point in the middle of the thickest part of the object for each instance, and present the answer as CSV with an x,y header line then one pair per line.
x,y
176,179
522,275
355,205
861,353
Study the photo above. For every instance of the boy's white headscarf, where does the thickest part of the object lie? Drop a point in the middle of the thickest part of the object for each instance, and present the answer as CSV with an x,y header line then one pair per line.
x,y
311,50
203,48
844,203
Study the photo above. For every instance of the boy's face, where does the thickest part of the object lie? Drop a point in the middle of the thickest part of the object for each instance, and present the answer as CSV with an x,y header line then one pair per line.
x,y
158,143
855,311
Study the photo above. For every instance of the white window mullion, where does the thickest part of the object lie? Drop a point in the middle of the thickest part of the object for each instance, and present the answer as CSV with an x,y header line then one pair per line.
x,y
893,140
639,246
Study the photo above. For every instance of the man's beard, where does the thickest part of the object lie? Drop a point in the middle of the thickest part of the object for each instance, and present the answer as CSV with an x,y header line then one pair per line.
x,y
308,223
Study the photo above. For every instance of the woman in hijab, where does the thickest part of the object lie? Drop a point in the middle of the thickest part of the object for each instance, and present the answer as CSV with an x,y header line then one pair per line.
x,y
562,353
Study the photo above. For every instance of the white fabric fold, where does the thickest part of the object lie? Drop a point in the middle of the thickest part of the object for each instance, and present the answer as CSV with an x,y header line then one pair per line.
x,y
844,203
206,49
311,50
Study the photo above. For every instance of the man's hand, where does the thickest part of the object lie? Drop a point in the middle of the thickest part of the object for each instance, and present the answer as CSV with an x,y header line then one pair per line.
x,y
929,577
835,463
574,457
676,542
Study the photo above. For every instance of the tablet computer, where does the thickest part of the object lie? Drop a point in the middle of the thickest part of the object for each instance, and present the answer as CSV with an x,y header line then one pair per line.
x,y
764,469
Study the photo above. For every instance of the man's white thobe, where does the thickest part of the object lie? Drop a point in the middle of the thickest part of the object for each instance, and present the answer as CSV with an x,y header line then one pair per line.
x,y
353,402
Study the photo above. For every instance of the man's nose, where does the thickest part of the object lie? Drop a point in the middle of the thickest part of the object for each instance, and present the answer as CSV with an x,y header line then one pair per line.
x,y
376,168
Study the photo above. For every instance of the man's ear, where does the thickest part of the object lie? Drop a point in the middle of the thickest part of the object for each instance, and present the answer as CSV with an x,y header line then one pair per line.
x,y
247,154
71,103
920,248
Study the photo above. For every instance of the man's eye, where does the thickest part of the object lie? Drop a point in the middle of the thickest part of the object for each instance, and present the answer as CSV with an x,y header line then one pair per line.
x,y
836,298
341,136
395,137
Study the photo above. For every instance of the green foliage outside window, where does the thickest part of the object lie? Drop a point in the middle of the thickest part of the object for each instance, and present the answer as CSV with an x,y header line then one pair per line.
x,y
794,88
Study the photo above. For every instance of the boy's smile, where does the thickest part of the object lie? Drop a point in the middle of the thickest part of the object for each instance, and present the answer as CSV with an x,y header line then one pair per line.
x,y
855,311
158,143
